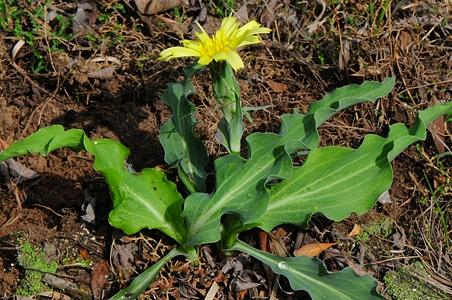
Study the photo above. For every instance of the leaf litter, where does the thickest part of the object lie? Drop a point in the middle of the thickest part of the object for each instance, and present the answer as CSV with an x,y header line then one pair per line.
x,y
302,61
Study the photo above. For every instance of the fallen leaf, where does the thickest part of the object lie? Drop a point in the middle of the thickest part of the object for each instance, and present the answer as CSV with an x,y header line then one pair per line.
x,y
277,86
242,14
344,55
280,232
106,59
3,144
152,7
123,259
99,274
85,17
19,171
399,240
84,253
88,207
268,15
438,131
104,73
384,198
264,245
405,40
312,249
355,230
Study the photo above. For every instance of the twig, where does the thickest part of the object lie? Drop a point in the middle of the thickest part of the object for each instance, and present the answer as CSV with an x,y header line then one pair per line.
x,y
391,259
48,208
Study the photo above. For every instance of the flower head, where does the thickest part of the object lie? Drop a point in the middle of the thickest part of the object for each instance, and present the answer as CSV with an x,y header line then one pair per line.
x,y
222,46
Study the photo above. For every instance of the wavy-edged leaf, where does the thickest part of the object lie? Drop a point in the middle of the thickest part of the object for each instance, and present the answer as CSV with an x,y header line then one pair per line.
x,y
307,274
182,148
140,200
45,141
337,181
243,191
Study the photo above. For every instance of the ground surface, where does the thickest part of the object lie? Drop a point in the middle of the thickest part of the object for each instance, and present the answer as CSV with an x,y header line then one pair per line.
x,y
102,75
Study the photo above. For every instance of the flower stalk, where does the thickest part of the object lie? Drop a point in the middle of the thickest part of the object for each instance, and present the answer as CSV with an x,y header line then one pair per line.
x,y
227,93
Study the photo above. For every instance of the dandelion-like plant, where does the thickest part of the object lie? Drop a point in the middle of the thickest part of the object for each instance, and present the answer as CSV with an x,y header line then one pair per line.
x,y
222,46
219,53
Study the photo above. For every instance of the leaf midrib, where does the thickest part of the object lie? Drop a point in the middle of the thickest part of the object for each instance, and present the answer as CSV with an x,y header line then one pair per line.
x,y
317,282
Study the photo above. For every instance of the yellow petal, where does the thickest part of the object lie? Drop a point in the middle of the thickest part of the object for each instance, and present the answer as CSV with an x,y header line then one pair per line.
x,y
228,25
233,58
220,56
251,40
177,52
249,26
260,30
194,45
203,37
205,60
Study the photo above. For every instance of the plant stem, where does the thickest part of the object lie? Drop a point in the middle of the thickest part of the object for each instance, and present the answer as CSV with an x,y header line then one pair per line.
x,y
227,93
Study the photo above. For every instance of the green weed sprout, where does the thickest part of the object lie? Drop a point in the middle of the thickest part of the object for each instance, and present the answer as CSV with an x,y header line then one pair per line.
x,y
333,181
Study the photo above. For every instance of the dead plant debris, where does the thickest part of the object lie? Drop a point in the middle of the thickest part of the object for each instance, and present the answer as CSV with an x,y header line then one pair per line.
x,y
92,65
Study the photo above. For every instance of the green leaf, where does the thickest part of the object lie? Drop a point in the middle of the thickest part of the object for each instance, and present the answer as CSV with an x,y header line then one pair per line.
x,y
307,274
44,141
243,191
337,181
142,281
182,148
140,200
322,110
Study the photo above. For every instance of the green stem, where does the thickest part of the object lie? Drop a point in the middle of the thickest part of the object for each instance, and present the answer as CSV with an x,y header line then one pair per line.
x,y
227,93
189,184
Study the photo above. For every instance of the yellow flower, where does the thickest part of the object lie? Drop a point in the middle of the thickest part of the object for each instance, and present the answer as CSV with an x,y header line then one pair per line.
x,y
222,46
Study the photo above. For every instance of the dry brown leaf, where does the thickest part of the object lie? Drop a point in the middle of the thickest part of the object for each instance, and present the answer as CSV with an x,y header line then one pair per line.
x,y
19,171
344,56
242,14
99,275
268,15
438,130
264,245
152,7
280,232
3,144
312,250
405,41
85,17
355,230
104,73
277,86
384,198
84,253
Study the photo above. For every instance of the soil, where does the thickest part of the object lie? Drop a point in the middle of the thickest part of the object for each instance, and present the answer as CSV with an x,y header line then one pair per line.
x,y
309,53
